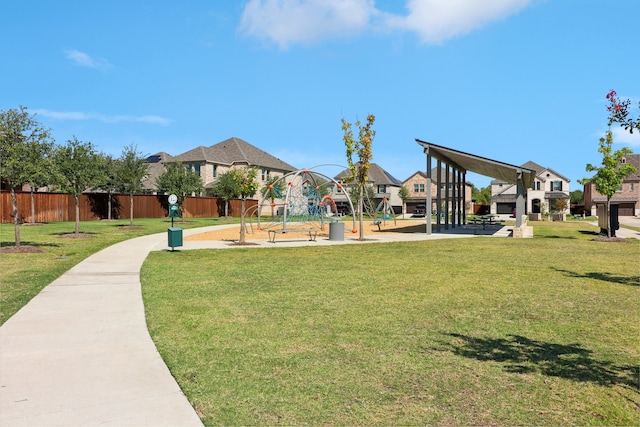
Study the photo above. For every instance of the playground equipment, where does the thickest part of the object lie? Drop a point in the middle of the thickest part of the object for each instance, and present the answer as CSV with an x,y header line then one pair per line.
x,y
306,204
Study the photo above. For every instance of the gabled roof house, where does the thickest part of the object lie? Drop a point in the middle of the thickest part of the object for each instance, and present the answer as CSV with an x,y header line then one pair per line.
x,y
211,162
627,198
416,185
549,186
383,183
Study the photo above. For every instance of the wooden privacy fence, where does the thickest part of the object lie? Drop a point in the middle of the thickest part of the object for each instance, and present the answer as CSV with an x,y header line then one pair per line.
x,y
57,207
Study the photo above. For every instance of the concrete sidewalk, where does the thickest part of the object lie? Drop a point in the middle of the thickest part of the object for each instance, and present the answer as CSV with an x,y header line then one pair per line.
x,y
79,353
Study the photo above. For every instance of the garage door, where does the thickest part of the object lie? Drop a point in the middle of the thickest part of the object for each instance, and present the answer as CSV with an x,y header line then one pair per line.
x,y
505,208
626,209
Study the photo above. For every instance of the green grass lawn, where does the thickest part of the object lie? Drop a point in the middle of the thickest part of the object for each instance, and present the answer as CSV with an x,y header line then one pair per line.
x,y
23,275
483,331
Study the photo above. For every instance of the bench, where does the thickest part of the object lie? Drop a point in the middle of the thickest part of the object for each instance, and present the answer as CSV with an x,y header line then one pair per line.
x,y
313,233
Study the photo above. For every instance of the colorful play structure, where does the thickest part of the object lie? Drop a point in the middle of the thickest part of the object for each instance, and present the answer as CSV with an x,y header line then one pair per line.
x,y
305,201
301,200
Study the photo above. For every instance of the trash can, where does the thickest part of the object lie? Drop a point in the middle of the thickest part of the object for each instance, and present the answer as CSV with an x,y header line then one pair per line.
x,y
336,230
174,235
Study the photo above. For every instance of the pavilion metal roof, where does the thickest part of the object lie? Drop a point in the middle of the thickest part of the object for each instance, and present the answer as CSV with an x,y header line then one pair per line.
x,y
478,164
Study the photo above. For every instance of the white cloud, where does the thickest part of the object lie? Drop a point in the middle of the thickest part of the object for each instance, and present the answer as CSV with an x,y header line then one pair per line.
x,y
287,22
438,20
76,115
84,60
622,136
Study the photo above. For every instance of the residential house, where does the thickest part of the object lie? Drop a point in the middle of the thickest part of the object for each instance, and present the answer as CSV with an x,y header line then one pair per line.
x,y
211,162
548,188
156,168
627,198
384,185
416,184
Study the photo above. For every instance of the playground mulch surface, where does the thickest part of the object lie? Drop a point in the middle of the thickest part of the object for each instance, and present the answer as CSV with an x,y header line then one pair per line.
x,y
232,234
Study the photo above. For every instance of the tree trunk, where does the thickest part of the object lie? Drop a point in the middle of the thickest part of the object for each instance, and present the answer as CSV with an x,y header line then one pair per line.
x,y
226,208
109,206
242,233
609,218
77,213
361,212
131,209
33,207
16,220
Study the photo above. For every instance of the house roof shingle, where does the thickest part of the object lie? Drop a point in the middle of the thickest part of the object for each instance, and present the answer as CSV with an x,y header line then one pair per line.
x,y
235,151
377,175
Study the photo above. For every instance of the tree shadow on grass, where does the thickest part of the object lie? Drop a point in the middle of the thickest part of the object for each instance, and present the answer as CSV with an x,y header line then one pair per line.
x,y
607,277
522,355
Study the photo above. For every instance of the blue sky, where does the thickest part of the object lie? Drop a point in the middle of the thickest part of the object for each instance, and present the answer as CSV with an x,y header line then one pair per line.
x,y
511,80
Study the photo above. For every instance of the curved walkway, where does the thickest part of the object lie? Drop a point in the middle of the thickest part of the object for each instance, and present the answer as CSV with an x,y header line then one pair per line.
x,y
80,354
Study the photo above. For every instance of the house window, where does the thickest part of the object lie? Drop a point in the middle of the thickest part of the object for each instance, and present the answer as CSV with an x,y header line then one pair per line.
x,y
382,188
196,167
631,186
418,188
537,185
556,185
215,171
265,174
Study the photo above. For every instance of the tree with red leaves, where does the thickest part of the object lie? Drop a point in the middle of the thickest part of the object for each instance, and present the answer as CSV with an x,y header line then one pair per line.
x,y
619,113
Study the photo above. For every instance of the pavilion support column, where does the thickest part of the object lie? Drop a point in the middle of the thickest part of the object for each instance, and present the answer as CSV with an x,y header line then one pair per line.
x,y
520,200
429,201
464,198
454,195
438,195
447,198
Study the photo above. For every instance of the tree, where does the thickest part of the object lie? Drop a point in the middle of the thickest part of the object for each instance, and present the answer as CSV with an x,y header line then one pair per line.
x,y
619,113
245,179
110,184
132,168
404,194
38,166
576,197
226,188
80,168
360,169
273,189
611,173
481,196
22,140
180,180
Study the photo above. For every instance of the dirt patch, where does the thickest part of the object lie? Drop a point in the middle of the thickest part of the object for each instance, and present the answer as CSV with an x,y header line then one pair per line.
x,y
22,249
233,234
76,236
610,239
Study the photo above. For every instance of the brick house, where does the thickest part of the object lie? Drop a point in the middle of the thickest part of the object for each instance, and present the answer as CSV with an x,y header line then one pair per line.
x,y
416,186
627,198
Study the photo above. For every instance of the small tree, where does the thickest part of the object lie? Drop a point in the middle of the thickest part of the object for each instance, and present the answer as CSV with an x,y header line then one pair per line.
x,y
180,180
611,173
132,168
110,184
22,139
404,194
226,188
360,169
247,185
80,168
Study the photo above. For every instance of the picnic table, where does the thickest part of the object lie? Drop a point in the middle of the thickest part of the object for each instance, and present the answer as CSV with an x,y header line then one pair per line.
x,y
486,219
